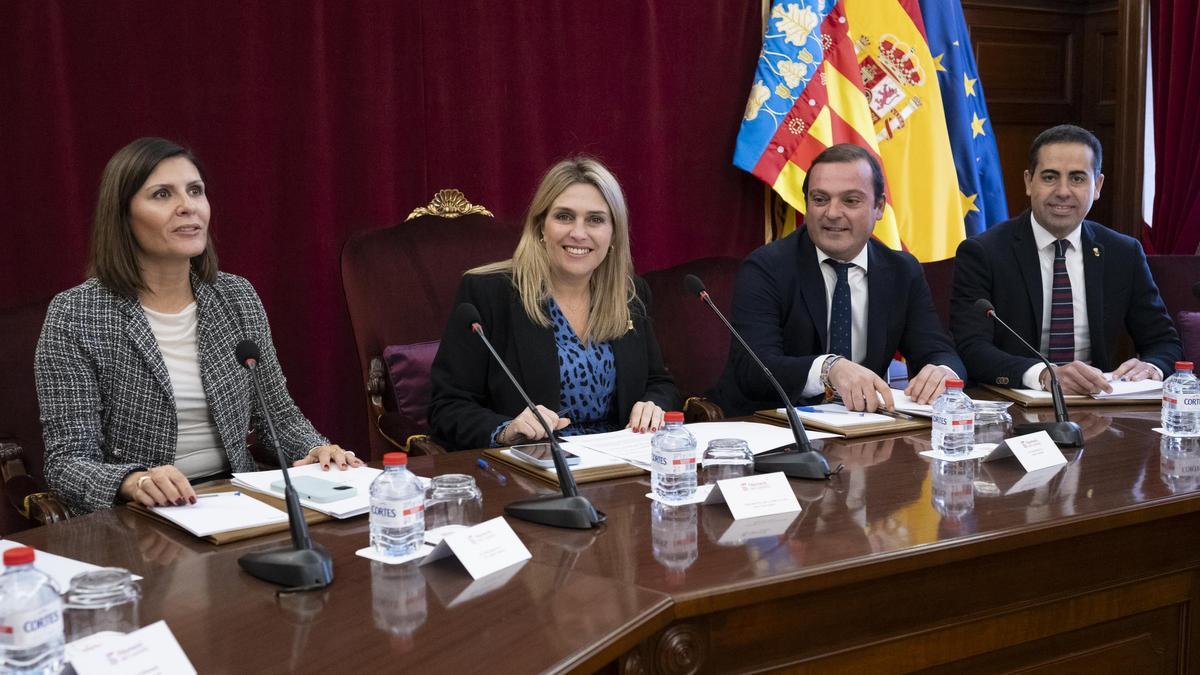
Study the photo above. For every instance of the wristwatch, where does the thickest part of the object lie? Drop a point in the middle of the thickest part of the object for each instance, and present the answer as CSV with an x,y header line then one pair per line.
x,y
825,368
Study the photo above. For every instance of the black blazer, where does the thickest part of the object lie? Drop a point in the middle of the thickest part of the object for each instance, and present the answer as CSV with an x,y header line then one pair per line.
x,y
779,308
471,395
1002,265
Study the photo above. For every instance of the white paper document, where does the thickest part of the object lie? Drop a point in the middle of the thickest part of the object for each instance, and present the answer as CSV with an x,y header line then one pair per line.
x,y
905,404
835,415
59,569
217,512
360,478
634,448
152,650
483,549
1144,390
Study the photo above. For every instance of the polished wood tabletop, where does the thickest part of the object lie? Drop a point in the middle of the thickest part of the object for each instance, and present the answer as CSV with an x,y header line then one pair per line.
x,y
882,564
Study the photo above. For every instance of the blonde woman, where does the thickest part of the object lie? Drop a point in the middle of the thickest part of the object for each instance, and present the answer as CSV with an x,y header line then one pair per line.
x,y
568,317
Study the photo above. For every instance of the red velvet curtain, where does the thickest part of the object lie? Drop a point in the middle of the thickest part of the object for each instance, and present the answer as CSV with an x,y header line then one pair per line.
x,y
1176,62
316,119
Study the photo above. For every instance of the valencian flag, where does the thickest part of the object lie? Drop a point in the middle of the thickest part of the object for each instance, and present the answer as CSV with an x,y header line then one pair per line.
x,y
858,71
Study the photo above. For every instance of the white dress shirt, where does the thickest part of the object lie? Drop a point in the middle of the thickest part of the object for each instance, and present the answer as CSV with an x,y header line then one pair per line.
x,y
857,278
198,449
1074,259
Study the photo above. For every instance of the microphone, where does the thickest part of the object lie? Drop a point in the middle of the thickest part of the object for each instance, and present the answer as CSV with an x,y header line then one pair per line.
x,y
571,509
805,462
305,565
1062,431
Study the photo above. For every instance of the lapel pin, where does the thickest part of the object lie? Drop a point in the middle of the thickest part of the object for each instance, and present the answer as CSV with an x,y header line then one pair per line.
x,y
1096,251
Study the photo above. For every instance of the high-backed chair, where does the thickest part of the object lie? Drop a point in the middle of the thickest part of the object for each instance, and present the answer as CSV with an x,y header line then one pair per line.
x,y
400,284
940,277
25,503
695,344
1175,276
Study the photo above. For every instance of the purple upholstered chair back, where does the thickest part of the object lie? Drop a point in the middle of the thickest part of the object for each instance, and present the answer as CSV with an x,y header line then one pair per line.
x,y
694,342
400,284
1175,276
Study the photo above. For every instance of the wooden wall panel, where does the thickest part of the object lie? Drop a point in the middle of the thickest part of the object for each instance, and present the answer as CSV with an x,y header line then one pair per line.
x,y
1047,63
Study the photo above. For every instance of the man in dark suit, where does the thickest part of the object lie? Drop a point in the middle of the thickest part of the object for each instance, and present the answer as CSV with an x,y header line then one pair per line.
x,y
1067,285
827,307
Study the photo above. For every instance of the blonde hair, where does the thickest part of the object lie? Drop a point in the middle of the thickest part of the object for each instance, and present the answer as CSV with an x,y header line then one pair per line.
x,y
611,286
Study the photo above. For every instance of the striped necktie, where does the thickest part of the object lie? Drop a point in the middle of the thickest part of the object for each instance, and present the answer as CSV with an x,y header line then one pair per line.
x,y
1062,309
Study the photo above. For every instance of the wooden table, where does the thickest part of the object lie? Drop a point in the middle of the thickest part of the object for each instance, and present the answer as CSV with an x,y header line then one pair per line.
x,y
897,564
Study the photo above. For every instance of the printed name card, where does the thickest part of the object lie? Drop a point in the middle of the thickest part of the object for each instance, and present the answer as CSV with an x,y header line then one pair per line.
x,y
485,548
1034,451
149,651
753,496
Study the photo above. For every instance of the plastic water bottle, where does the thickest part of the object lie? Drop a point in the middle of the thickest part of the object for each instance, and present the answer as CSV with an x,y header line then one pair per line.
x,y
673,460
953,421
1181,401
397,508
31,617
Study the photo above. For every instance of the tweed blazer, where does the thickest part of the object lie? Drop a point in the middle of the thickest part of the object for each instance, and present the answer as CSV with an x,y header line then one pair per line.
x,y
107,407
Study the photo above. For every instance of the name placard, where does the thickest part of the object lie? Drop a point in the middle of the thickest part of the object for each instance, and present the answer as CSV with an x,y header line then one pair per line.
x,y
1034,451
485,548
757,495
152,649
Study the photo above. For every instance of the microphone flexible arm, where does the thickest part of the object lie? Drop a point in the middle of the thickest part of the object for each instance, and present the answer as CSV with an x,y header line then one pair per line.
x,y
798,432
565,478
1056,395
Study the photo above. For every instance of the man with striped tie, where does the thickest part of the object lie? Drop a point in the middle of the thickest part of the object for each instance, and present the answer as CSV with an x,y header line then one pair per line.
x,y
1067,285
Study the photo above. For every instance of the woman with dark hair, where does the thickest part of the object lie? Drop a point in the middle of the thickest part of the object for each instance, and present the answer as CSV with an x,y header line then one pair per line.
x,y
139,389
569,318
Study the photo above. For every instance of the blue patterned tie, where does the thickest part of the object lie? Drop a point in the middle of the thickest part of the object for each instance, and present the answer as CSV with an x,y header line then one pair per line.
x,y
839,313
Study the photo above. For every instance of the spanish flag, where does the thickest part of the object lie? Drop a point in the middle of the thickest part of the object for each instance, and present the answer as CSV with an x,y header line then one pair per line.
x,y
856,71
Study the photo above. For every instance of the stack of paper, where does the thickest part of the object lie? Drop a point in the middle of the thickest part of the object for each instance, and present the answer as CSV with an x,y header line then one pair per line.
x,y
217,512
633,448
837,416
360,478
1142,389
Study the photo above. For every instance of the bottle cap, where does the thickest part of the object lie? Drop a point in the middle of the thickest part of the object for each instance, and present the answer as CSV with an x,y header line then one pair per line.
x,y
951,382
21,555
673,416
1183,365
395,459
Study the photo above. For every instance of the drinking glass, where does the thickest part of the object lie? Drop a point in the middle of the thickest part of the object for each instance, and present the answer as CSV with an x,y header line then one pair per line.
x,y
726,458
452,501
101,600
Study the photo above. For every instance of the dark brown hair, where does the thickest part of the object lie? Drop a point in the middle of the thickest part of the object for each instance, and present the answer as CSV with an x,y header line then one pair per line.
x,y
1067,133
112,257
848,153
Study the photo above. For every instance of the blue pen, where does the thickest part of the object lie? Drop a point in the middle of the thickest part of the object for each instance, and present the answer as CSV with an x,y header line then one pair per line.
x,y
217,494
491,470
813,409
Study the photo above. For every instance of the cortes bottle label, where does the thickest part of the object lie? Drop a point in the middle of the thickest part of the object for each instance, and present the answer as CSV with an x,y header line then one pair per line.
x,y
402,514
32,627
673,462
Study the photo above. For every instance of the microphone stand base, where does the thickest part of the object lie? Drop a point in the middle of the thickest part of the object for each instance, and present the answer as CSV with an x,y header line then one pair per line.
x,y
1064,434
573,512
293,568
806,464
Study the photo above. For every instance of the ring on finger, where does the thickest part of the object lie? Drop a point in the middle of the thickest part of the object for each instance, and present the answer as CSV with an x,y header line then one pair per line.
x,y
141,480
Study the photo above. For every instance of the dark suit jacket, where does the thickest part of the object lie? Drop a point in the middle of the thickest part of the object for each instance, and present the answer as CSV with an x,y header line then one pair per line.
x,y
779,308
471,395
1002,265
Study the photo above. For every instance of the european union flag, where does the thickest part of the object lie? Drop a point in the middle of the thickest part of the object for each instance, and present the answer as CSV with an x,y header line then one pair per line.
x,y
971,139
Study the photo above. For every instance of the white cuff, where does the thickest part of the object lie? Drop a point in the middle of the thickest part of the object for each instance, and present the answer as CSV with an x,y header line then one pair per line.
x,y
812,386
1032,379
